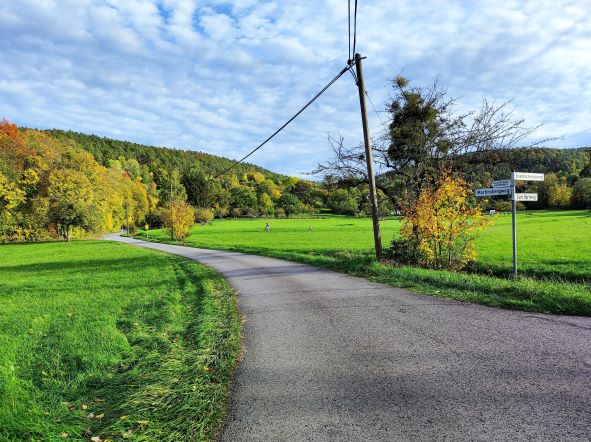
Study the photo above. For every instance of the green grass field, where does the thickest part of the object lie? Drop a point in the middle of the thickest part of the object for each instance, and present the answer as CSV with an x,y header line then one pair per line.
x,y
103,339
554,253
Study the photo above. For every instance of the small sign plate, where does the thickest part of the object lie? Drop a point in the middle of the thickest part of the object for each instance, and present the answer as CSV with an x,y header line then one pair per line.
x,y
526,176
526,197
493,192
502,183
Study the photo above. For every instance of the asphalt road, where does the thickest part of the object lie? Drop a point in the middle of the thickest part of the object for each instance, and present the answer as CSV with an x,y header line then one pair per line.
x,y
329,357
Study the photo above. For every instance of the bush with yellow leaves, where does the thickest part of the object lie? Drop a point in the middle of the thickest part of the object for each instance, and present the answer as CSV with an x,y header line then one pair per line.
x,y
439,229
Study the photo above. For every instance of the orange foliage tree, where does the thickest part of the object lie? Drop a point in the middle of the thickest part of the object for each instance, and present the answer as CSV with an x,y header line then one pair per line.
x,y
439,230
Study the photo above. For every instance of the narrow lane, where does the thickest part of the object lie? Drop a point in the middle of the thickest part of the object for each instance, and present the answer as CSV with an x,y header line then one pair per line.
x,y
333,357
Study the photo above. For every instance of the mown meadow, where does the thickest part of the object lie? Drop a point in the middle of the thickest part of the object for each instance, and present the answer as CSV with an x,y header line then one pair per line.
x,y
103,341
554,250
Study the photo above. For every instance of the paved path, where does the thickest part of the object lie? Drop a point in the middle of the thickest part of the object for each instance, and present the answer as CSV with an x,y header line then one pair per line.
x,y
330,357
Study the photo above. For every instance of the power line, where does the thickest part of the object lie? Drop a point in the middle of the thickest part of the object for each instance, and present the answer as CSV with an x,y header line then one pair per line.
x,y
355,29
349,15
374,108
329,84
367,95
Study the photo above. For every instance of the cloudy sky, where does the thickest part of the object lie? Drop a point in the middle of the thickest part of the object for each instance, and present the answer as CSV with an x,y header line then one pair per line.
x,y
220,76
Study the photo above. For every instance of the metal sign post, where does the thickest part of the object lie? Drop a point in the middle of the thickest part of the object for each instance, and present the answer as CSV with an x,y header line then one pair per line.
x,y
507,187
514,227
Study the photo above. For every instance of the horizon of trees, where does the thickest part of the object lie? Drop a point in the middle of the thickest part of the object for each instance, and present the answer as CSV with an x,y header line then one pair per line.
x,y
66,184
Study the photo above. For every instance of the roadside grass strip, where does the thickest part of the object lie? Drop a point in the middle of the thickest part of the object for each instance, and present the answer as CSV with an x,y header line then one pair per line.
x,y
103,341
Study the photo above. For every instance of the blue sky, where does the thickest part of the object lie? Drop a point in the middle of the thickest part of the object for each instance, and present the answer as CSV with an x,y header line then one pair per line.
x,y
220,76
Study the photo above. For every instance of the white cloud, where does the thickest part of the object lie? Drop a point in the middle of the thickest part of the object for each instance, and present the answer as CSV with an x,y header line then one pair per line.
x,y
221,76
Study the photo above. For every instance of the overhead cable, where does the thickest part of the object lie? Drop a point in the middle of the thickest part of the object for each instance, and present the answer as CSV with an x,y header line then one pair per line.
x,y
349,16
355,29
329,84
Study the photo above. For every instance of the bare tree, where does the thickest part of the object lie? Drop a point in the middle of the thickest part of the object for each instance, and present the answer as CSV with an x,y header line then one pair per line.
x,y
426,135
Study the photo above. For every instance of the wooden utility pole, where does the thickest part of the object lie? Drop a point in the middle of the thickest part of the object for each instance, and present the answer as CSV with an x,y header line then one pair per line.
x,y
369,159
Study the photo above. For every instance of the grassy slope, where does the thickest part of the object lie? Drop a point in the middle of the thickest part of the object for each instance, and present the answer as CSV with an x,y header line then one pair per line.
x,y
141,339
553,253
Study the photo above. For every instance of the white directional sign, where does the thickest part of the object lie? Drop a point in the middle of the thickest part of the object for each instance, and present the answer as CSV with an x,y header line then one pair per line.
x,y
502,183
526,176
507,187
493,192
526,197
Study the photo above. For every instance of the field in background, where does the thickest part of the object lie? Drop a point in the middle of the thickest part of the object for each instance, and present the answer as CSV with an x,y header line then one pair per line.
x,y
554,250
550,243
103,339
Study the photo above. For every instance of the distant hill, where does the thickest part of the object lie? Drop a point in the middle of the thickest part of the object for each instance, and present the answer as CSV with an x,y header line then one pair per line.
x,y
104,149
545,159
563,162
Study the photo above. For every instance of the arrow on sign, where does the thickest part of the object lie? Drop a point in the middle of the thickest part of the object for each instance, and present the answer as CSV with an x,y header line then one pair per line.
x,y
502,183
526,176
493,192
526,197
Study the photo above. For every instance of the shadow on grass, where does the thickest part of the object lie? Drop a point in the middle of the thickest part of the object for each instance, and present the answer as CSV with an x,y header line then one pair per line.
x,y
580,276
96,265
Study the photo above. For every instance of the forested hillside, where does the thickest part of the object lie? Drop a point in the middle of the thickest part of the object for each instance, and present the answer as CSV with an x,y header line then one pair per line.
x,y
107,149
545,160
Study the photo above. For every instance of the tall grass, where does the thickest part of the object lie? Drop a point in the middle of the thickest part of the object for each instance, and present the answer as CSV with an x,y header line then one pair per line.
x,y
104,340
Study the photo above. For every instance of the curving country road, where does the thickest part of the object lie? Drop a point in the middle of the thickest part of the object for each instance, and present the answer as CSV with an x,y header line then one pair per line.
x,y
330,357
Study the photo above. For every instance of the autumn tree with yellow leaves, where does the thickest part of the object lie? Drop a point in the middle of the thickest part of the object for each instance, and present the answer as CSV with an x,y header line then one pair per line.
x,y
439,228
178,217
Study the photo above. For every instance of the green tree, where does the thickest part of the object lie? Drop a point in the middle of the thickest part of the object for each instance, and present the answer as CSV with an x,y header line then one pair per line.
x,y
167,178
72,202
243,198
582,193
290,204
266,206
344,201
195,183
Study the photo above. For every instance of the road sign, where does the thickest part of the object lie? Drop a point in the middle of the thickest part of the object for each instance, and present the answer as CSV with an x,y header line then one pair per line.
x,y
507,187
493,192
502,183
526,197
526,176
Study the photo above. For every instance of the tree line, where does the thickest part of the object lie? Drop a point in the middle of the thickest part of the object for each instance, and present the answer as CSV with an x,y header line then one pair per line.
x,y
56,184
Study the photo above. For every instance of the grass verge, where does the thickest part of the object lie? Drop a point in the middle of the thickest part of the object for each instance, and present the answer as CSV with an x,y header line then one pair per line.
x,y
106,341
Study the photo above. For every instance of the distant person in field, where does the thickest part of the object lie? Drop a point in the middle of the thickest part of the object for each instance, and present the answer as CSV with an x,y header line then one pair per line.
x,y
310,228
267,227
